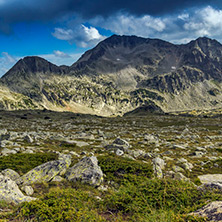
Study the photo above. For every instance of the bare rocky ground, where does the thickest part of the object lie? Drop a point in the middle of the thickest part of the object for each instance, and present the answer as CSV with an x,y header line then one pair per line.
x,y
177,147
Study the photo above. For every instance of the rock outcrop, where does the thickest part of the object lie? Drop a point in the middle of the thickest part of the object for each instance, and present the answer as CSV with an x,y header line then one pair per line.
x,y
87,171
212,211
10,192
46,172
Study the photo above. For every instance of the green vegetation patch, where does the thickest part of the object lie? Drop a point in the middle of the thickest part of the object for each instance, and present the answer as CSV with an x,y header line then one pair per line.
x,y
22,163
139,200
143,200
61,205
119,169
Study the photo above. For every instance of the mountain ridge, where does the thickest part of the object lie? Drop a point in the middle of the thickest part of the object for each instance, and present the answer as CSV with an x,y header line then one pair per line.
x,y
106,79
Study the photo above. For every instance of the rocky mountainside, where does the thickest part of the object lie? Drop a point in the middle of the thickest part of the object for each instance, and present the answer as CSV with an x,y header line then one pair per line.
x,y
123,73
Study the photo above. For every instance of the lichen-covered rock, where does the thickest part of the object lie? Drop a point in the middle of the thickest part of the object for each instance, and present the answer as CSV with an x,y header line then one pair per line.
x,y
212,211
158,166
28,190
10,192
6,152
119,143
57,179
211,178
86,171
46,171
176,176
11,174
210,186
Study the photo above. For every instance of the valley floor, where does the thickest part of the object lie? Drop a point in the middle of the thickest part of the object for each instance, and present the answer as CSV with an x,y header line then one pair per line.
x,y
155,167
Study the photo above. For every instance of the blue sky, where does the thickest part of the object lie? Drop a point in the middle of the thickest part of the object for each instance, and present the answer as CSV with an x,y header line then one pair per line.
x,y
61,30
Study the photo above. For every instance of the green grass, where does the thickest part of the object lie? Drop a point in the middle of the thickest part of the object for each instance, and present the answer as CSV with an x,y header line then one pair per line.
x,y
119,169
22,163
140,200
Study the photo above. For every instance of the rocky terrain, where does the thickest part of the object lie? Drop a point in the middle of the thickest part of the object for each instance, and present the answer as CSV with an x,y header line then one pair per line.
x,y
61,166
119,75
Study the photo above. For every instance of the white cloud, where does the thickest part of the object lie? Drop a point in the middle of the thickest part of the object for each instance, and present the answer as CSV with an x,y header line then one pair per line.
x,y
80,35
63,34
6,62
61,54
61,60
184,16
176,28
8,58
206,22
131,25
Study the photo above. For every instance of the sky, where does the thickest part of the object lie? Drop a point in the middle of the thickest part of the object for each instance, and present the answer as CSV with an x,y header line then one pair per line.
x,y
62,30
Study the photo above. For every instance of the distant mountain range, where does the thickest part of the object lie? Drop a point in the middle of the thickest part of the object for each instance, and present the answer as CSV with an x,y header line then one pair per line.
x,y
119,75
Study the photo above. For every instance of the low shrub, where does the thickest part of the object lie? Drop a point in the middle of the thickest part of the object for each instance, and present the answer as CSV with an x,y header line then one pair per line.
x,y
22,163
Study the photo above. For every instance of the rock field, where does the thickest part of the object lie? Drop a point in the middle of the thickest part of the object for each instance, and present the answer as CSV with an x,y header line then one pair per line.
x,y
176,147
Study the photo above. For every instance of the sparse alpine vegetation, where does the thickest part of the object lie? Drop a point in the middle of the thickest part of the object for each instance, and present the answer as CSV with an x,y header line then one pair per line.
x,y
61,166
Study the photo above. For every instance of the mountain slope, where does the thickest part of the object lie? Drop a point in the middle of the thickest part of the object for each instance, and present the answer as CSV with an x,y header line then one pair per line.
x,y
27,75
123,73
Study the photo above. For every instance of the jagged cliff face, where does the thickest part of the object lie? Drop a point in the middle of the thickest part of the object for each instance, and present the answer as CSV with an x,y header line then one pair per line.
x,y
123,73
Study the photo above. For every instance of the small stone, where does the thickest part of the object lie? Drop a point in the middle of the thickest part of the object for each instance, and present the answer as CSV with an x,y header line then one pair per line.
x,y
28,139
119,152
28,190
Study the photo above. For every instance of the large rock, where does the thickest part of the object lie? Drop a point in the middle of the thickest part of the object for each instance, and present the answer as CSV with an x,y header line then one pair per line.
x,y
120,144
158,166
6,152
211,178
4,135
212,211
11,174
210,186
86,171
10,192
46,171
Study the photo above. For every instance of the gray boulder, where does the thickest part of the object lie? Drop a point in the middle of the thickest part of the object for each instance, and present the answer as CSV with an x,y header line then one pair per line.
x,y
212,211
158,166
211,186
120,144
211,178
11,174
47,171
10,192
176,176
6,152
86,171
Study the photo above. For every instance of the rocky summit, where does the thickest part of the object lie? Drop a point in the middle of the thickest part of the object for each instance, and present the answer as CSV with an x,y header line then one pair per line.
x,y
120,75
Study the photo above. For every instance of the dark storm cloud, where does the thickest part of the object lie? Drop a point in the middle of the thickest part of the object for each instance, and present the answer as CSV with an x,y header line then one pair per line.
x,y
44,10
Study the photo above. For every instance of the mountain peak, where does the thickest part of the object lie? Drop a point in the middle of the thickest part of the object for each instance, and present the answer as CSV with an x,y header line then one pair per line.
x,y
32,64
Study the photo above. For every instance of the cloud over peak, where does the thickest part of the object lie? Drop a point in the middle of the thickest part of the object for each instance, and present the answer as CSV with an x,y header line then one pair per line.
x,y
81,35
